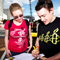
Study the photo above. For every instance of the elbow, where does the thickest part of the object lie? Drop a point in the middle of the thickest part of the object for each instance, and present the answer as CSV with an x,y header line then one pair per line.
x,y
59,53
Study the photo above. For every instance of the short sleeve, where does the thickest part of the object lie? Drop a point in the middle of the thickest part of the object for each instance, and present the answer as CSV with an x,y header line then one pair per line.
x,y
6,25
29,23
38,31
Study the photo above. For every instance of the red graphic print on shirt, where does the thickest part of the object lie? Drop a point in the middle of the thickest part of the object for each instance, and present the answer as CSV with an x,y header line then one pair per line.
x,y
20,34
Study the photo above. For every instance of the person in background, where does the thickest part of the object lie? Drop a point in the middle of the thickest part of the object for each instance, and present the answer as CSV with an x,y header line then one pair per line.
x,y
38,25
48,38
34,27
17,42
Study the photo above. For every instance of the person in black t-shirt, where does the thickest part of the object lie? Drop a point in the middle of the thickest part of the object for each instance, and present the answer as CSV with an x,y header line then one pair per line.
x,y
48,38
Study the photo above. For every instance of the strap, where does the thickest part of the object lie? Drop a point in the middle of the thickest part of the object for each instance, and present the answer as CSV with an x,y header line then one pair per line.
x,y
10,23
27,23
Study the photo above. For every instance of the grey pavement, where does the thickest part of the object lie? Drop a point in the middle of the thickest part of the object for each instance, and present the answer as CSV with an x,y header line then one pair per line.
x,y
2,44
2,32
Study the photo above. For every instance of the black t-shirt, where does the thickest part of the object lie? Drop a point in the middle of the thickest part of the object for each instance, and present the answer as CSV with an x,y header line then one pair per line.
x,y
49,38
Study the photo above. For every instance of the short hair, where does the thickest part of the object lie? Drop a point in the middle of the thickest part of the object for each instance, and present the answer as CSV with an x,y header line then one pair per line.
x,y
44,3
13,7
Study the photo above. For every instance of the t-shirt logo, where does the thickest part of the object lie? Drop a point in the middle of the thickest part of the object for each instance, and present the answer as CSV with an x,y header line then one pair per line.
x,y
19,36
53,38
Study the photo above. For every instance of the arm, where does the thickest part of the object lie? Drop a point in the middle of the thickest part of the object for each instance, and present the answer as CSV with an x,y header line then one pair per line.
x,y
55,57
35,54
6,43
37,42
6,39
30,36
30,41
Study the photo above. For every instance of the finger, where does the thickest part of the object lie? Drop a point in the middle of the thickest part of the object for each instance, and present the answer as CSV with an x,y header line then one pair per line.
x,y
39,56
42,58
34,54
27,51
28,47
10,54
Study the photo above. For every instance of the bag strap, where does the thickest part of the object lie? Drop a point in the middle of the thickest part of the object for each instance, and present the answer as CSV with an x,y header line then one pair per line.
x,y
27,23
10,23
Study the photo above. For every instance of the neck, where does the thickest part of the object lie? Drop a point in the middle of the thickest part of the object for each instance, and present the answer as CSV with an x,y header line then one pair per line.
x,y
17,23
53,18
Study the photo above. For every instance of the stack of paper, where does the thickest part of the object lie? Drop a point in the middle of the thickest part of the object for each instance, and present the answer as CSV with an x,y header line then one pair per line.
x,y
24,56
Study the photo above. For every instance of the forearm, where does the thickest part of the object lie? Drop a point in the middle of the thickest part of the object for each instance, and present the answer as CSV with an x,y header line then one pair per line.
x,y
30,36
30,40
6,43
37,42
6,39
55,57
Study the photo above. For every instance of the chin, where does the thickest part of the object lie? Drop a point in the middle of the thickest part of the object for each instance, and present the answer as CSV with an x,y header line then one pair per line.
x,y
19,21
46,24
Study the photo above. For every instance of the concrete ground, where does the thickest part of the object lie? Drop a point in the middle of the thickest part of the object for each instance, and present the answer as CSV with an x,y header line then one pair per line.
x,y
2,44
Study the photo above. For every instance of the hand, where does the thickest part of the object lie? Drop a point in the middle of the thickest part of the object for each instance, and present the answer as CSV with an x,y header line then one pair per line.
x,y
43,58
8,53
35,54
29,48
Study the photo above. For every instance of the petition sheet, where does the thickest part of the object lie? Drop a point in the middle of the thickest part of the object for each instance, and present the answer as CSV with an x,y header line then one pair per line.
x,y
24,56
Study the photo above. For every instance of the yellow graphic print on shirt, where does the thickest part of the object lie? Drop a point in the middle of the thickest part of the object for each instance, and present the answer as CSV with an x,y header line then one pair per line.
x,y
53,38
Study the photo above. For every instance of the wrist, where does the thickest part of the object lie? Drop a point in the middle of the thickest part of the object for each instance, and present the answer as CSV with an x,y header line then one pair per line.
x,y
31,45
37,48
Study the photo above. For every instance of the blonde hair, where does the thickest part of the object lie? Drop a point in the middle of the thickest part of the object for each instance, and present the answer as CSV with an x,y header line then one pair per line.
x,y
14,7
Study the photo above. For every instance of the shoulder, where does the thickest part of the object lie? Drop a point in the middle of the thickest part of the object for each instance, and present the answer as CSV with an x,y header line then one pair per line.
x,y
57,18
6,24
29,23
